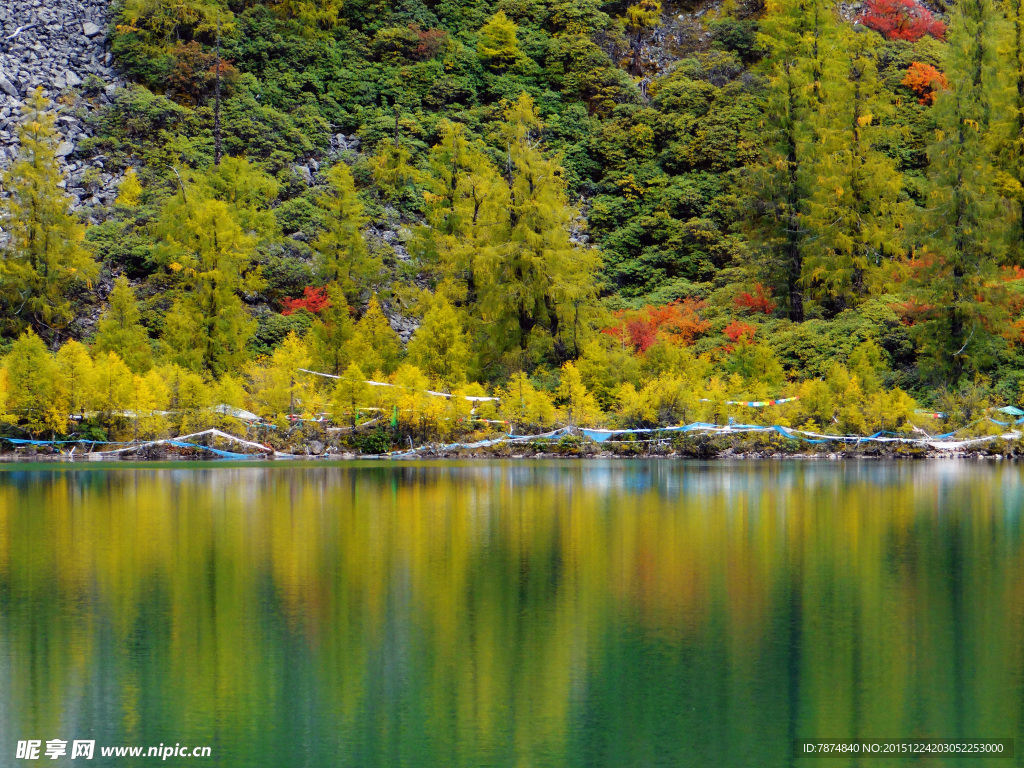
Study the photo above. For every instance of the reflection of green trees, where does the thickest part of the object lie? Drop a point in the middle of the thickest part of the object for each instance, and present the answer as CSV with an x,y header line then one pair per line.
x,y
511,613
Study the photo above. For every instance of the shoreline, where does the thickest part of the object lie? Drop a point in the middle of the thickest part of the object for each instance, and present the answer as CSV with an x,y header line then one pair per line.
x,y
734,447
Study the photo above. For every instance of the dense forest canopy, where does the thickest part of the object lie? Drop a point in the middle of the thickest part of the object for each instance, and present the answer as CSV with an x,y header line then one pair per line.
x,y
601,212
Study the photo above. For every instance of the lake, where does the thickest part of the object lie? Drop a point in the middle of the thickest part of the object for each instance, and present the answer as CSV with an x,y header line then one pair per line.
x,y
517,613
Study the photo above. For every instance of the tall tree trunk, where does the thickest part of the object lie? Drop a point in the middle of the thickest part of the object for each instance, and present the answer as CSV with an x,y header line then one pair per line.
x,y
859,255
793,253
216,104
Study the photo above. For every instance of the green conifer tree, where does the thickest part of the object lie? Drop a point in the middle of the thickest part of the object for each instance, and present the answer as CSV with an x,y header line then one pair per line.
x,y
796,35
350,394
537,278
75,377
32,397
201,240
113,386
498,45
393,170
44,259
120,331
330,338
857,209
964,233
467,205
342,255
440,347
578,404
376,345
1007,134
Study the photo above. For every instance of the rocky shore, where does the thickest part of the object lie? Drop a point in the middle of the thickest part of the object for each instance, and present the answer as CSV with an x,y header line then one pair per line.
x,y
706,447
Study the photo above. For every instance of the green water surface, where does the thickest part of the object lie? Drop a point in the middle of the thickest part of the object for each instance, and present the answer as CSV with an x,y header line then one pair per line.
x,y
510,613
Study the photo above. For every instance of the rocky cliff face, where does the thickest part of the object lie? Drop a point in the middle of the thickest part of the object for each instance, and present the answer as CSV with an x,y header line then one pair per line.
x,y
60,45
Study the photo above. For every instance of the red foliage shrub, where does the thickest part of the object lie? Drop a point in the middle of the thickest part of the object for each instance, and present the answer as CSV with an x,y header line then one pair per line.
x,y
925,81
902,20
759,301
194,74
1010,274
679,322
642,333
430,42
313,300
737,330
912,312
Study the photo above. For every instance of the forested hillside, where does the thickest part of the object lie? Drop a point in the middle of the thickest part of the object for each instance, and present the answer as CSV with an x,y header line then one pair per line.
x,y
601,213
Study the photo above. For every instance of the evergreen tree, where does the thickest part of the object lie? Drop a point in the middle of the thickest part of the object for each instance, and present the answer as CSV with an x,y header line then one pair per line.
x,y
202,241
182,341
120,331
537,277
350,394
129,191
32,395
963,241
439,347
75,377
286,389
579,405
393,170
1007,132
523,405
330,338
113,385
312,16
342,255
248,190
44,258
163,22
498,45
375,345
796,35
857,207
467,204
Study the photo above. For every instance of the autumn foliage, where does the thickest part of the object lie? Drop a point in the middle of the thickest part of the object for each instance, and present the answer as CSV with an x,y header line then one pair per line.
x,y
195,72
912,311
902,20
758,301
679,322
737,331
431,41
925,81
313,300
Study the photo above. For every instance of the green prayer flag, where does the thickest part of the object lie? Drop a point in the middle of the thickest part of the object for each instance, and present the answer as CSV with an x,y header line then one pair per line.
x,y
1011,410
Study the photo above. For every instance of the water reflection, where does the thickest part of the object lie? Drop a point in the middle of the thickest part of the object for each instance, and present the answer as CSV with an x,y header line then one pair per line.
x,y
516,613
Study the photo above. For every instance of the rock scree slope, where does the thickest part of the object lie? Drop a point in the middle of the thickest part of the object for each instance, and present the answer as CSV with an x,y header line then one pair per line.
x,y
61,46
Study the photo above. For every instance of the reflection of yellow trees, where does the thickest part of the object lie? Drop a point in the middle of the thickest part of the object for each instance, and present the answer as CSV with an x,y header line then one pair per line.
x,y
487,609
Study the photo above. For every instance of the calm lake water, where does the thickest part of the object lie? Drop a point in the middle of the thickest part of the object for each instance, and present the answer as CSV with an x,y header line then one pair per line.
x,y
510,613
